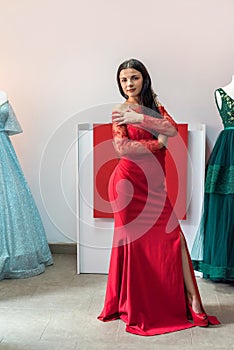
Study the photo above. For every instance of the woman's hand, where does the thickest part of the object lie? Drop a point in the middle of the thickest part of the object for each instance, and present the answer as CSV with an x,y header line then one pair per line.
x,y
162,140
128,116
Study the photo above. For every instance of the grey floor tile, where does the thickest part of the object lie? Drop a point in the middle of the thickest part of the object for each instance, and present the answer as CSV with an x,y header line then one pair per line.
x,y
40,345
112,345
23,323
15,295
215,336
62,297
58,310
97,330
195,347
65,325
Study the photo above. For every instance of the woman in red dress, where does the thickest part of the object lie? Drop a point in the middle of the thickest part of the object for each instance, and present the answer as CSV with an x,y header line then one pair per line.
x,y
151,284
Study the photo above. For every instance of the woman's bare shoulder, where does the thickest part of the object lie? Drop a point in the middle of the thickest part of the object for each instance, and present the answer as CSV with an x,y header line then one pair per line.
x,y
119,107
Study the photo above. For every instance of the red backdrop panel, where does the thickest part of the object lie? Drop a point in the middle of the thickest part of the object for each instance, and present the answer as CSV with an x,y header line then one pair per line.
x,y
105,160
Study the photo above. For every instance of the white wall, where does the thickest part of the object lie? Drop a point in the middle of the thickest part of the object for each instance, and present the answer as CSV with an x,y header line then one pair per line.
x,y
58,58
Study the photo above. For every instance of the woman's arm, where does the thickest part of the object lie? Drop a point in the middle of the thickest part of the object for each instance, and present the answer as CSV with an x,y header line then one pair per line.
x,y
124,146
166,125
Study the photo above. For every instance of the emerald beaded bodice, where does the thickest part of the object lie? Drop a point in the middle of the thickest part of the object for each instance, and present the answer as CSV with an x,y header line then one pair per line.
x,y
227,109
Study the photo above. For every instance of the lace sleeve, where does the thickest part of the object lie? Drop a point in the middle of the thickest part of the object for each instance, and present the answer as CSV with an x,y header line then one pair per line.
x,y
166,126
124,146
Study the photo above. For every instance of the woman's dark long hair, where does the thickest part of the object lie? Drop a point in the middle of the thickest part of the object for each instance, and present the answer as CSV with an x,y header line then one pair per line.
x,y
147,97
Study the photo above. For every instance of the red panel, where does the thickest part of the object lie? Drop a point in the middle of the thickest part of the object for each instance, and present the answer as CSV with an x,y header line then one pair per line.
x,y
176,170
105,160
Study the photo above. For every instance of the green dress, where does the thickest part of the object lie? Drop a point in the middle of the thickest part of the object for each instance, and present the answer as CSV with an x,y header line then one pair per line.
x,y
213,248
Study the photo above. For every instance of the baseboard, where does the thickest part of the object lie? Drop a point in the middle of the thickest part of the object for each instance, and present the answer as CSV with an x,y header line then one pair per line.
x,y
63,248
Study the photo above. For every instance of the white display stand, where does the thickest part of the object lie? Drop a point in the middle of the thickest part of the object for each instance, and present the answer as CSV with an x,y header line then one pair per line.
x,y
94,236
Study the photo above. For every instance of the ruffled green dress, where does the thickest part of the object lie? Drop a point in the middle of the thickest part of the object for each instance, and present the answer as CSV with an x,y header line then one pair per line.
x,y
213,248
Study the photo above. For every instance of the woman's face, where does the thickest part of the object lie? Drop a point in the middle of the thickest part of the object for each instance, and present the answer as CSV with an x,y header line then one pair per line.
x,y
131,81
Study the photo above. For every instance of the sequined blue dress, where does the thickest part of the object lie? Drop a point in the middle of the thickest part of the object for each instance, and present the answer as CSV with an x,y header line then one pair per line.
x,y
24,251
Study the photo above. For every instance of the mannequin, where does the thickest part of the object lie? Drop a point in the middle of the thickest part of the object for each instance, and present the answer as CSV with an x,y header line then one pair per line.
x,y
24,250
3,97
213,249
229,89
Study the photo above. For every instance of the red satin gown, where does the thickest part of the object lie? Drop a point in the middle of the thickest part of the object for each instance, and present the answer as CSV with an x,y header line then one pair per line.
x,y
145,285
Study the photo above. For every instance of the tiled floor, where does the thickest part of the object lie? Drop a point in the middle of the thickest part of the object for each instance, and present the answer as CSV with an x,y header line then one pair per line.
x,y
57,310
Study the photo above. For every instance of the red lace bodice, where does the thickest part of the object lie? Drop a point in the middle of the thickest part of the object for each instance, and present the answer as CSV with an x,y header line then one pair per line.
x,y
133,139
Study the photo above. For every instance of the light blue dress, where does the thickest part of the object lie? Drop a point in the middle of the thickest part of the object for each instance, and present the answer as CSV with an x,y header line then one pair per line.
x,y
24,251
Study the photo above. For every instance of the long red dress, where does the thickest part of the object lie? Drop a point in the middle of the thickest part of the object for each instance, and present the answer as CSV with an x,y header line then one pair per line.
x,y
145,285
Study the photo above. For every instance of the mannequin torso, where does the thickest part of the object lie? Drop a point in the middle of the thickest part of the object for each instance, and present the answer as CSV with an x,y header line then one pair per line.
x,y
3,97
229,89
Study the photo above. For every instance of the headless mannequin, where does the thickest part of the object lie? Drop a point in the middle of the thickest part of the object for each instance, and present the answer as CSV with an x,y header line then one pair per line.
x,y
3,97
229,89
